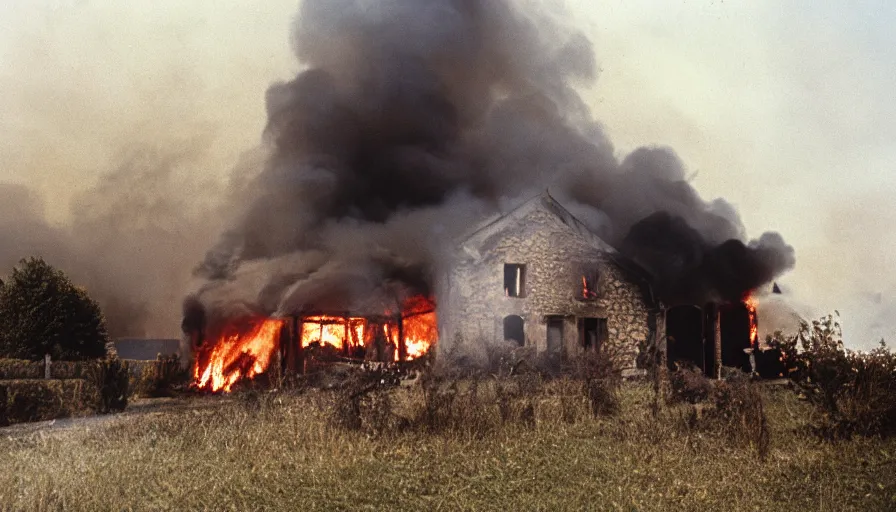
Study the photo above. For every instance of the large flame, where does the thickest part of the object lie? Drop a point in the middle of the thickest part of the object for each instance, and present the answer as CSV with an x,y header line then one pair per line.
x,y
750,303
237,355
419,332
246,347
418,329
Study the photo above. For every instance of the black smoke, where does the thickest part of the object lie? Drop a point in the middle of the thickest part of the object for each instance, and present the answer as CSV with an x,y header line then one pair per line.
x,y
410,120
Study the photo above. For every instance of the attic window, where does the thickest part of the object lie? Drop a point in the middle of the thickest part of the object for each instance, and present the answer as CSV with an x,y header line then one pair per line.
x,y
514,279
588,284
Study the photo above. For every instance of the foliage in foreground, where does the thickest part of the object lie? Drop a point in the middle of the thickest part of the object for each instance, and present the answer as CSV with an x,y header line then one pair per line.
x,y
279,451
159,378
110,377
42,312
855,391
76,388
23,401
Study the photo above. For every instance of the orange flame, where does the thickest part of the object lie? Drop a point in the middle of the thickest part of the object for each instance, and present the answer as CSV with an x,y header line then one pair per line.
x,y
586,291
419,332
419,329
340,332
240,355
750,303
237,356
345,333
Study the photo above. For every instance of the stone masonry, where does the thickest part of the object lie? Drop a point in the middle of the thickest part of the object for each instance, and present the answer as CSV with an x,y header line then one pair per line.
x,y
557,251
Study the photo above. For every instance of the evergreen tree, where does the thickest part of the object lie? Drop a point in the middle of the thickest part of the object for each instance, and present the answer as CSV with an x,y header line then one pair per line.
x,y
42,312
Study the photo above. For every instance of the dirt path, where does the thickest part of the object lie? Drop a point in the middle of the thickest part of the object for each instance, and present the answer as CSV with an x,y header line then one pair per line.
x,y
135,409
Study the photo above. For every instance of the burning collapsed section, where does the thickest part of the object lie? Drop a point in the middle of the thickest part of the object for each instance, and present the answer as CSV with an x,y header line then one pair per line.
x,y
245,348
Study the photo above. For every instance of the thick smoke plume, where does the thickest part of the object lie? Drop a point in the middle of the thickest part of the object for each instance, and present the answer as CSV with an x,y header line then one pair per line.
x,y
410,121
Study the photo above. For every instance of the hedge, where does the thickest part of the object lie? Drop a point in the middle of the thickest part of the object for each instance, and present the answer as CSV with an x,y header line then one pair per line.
x,y
156,378
27,400
77,387
21,369
17,369
80,386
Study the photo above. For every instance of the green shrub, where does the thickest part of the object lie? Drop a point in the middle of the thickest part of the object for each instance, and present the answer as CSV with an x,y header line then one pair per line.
x,y
45,399
111,378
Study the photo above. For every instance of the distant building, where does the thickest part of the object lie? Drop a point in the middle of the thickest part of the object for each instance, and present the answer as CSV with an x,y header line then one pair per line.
x,y
146,349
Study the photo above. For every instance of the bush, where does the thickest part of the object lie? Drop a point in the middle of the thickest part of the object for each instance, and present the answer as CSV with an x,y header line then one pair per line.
x,y
733,408
4,418
601,376
21,369
70,369
24,369
855,391
159,378
38,400
42,312
110,377
740,412
689,384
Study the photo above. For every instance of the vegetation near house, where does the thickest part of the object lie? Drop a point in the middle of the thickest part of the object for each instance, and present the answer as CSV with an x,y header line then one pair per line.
x,y
854,391
43,312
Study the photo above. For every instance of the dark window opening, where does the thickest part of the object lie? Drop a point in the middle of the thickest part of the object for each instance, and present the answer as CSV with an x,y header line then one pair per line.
x,y
514,279
555,334
593,332
684,337
513,329
734,322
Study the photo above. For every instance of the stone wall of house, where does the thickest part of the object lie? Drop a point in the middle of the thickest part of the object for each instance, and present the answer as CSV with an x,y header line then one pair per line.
x,y
472,301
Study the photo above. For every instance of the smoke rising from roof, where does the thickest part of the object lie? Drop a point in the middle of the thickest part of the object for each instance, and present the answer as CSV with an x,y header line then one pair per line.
x,y
411,120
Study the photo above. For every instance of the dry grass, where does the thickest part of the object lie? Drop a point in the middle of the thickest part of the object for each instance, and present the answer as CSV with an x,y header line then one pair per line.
x,y
283,452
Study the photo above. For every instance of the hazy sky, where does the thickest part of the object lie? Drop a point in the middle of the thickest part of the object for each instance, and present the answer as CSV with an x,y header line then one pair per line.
x,y
786,109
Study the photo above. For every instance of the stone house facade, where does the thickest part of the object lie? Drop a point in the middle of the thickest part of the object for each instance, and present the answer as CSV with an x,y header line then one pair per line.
x,y
539,277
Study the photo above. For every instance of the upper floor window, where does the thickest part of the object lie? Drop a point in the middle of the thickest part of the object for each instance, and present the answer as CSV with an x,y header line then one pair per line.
x,y
514,279
589,284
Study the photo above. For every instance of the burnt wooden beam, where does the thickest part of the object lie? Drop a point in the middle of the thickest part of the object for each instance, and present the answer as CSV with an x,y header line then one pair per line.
x,y
402,345
717,340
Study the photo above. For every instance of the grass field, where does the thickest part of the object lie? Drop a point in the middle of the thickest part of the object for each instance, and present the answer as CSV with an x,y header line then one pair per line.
x,y
283,452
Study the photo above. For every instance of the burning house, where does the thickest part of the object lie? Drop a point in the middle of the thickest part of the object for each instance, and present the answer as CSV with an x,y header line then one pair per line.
x,y
351,239
537,276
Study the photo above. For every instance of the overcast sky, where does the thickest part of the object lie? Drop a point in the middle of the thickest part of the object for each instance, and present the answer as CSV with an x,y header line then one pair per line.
x,y
786,111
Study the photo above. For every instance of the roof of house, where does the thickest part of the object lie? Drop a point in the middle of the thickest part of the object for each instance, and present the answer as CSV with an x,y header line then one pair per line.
x,y
545,200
